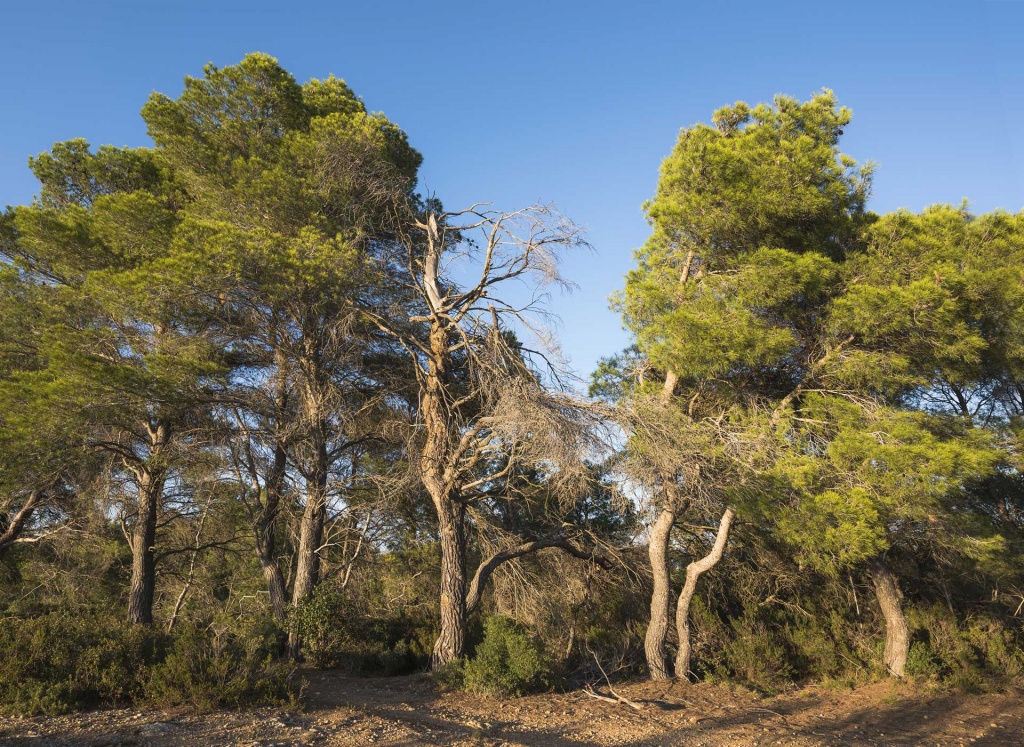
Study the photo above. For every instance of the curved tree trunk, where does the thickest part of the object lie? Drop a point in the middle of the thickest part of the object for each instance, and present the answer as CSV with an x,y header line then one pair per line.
x,y
661,532
654,642
693,571
897,634
490,564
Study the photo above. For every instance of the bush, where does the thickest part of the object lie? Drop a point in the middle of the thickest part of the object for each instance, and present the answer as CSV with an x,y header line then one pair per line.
x,y
976,654
509,661
336,634
60,662
205,671
452,676
757,654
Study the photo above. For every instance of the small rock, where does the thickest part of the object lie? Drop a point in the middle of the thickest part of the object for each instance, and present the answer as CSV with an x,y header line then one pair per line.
x,y
156,728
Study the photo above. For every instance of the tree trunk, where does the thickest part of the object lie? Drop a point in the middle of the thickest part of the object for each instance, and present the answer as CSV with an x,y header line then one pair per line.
x,y
451,642
266,537
265,524
661,532
438,470
489,565
311,533
275,586
897,634
654,643
143,581
693,571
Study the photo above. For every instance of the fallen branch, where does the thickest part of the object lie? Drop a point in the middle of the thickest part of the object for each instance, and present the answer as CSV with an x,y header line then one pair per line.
x,y
616,697
588,690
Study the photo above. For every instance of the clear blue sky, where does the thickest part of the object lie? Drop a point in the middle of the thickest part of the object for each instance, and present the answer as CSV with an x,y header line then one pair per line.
x,y
571,102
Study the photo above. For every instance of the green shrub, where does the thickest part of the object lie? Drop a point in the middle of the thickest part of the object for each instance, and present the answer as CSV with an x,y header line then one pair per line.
x,y
203,671
61,662
337,635
320,625
757,654
921,662
509,661
452,676
976,654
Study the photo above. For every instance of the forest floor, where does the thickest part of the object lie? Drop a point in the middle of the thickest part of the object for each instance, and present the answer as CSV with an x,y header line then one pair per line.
x,y
406,711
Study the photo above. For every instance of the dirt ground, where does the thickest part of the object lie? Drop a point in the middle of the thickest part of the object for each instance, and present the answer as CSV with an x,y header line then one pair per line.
x,y
407,711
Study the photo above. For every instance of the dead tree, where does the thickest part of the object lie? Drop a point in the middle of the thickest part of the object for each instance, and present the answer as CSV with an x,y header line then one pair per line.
x,y
485,409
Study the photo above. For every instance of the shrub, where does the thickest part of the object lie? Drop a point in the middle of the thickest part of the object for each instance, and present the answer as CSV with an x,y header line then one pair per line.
x,y
205,671
60,662
757,654
976,654
336,634
509,661
317,620
452,676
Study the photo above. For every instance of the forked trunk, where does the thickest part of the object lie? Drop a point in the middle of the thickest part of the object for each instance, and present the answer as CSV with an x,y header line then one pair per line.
x,y
693,571
654,643
897,634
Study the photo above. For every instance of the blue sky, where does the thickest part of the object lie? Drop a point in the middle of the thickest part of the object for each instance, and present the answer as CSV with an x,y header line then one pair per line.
x,y
568,102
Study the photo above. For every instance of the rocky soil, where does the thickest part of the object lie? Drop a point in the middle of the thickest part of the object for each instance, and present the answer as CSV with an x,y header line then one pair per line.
x,y
407,711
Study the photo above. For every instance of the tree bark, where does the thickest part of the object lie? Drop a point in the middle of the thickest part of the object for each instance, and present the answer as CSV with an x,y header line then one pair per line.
x,y
311,533
693,572
265,520
451,642
657,550
143,581
151,476
275,587
897,633
437,467
266,537
654,642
